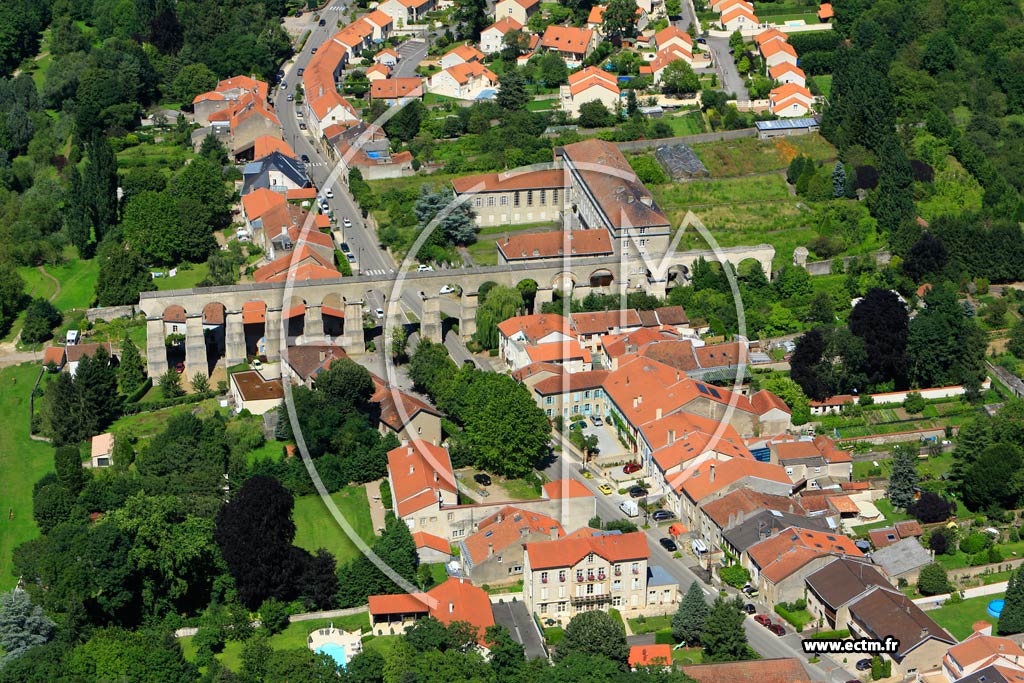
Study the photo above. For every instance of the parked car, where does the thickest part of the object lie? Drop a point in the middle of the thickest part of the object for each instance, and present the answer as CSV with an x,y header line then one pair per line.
x,y
284,85
702,41
301,71
329,194
637,492
305,158
777,629
424,268
864,664
256,364
596,419
663,515
668,544
346,221
313,51
482,479
605,489
299,114
447,289
631,467
323,22
302,126
750,591
291,97
586,474
351,257
280,73
749,608
379,313
763,620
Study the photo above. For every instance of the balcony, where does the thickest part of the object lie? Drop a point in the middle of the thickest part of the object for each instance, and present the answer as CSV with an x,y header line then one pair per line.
x,y
590,599
579,578
618,571
561,578
636,570
601,576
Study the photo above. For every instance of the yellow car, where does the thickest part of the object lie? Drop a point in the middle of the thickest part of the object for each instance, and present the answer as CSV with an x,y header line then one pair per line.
x,y
587,474
605,489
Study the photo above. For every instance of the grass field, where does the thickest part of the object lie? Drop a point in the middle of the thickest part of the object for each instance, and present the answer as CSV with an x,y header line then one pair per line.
x,y
959,618
144,425
77,283
316,528
185,278
824,83
541,105
22,463
750,155
650,624
271,450
686,124
164,156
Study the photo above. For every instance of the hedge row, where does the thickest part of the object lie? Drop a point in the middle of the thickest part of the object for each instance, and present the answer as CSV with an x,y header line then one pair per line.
x,y
149,406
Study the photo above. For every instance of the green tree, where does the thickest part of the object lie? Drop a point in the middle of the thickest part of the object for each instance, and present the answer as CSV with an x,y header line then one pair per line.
x,y
200,383
399,343
405,125
170,384
168,228
673,8
552,70
648,170
688,621
431,368
914,403
903,479
62,411
40,318
96,381
99,185
620,18
214,150
838,180
131,371
594,114
123,275
679,79
12,293
470,17
1011,619
993,478
594,633
512,95
723,637
274,615
22,625
792,395
501,304
822,310
1016,343
192,80
932,580
945,346
360,577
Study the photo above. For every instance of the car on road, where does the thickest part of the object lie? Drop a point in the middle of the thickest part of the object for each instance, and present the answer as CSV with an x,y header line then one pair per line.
x,y
777,629
299,114
256,364
313,51
300,71
280,73
423,268
302,126
586,474
291,97
284,85
663,515
864,664
447,289
347,222
749,608
637,492
631,467
750,591
305,158
668,544
482,479
605,489
379,313
763,619
329,194
351,257
322,22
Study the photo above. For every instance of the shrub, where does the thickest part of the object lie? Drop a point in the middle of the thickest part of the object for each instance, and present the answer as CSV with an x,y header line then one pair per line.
x,y
735,575
932,580
975,543
40,318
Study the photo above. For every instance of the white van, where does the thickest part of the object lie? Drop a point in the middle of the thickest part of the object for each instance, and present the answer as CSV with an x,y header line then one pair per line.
x,y
699,547
72,338
630,508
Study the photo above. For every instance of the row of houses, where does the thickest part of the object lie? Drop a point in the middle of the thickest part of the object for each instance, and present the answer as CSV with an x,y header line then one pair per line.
x,y
791,98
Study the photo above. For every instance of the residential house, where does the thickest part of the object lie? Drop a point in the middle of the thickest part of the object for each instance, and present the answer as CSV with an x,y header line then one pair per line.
x,y
306,262
595,20
995,673
739,18
393,90
520,332
431,549
466,81
306,361
681,441
275,172
406,12
574,44
734,508
673,36
650,656
224,95
833,586
259,202
519,10
494,553
980,650
811,463
102,450
387,57
323,104
761,671
591,327
884,612
454,600
512,197
664,57
54,358
571,394
883,538
422,481
785,73
833,405
404,415
242,121
380,23
791,100
377,72
265,145
769,35
773,415
780,563
252,392
591,569
589,85
366,146
776,52
461,54
540,246
492,38
903,559
76,352
696,486
722,5
764,524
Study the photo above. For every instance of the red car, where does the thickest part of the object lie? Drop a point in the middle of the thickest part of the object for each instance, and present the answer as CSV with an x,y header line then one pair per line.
x,y
631,468
763,620
777,629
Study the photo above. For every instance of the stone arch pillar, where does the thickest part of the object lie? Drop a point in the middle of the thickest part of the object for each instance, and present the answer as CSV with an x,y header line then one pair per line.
x,y
234,338
313,327
430,323
272,333
467,314
766,266
543,296
156,351
352,339
195,346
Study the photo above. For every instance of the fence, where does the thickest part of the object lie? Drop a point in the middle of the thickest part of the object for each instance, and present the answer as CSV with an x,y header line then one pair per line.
x,y
1012,382
718,136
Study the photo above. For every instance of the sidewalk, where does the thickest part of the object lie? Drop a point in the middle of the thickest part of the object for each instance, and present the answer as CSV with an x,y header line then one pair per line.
x,y
376,506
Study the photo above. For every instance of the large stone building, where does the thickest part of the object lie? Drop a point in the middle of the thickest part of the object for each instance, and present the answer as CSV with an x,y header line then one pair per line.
x,y
494,553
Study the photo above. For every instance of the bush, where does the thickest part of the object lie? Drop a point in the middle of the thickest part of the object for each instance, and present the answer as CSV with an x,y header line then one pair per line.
x,y
664,637
274,615
735,575
40,318
385,495
914,403
932,580
975,543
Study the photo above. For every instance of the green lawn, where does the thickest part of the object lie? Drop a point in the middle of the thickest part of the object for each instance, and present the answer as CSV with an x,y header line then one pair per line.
x,y
688,655
484,252
316,528
541,105
519,489
22,461
271,450
750,155
186,278
164,156
145,425
650,624
959,618
824,83
691,123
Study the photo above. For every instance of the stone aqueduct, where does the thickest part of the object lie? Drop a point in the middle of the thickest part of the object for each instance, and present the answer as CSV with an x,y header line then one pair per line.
x,y
342,299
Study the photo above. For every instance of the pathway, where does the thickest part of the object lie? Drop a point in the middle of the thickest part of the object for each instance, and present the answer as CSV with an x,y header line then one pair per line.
x,y
186,631
56,293
377,512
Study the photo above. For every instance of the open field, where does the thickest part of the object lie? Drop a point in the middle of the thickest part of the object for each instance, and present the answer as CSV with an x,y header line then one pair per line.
x,y
186,278
22,461
690,123
77,283
958,618
750,155
164,156
316,528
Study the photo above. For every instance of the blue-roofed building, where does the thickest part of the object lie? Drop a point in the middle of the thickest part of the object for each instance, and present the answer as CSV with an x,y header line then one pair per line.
x,y
662,588
781,127
277,172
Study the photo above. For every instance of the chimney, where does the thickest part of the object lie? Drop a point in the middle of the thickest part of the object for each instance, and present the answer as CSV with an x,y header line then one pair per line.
x,y
490,549
451,607
657,413
554,532
436,476
924,633
412,469
671,435
711,467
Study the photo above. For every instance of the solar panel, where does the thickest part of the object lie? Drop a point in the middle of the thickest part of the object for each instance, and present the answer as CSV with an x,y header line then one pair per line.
x,y
701,388
714,392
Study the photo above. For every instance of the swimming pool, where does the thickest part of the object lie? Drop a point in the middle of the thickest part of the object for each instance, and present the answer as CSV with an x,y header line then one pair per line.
x,y
334,651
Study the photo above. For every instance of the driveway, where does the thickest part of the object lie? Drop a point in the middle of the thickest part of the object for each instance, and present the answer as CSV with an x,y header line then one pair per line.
x,y
516,618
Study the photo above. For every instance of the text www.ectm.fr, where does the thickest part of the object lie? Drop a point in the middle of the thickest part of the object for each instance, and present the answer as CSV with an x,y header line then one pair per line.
x,y
855,646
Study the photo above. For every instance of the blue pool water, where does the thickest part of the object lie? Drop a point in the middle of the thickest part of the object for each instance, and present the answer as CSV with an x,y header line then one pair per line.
x,y
334,651
995,608
374,155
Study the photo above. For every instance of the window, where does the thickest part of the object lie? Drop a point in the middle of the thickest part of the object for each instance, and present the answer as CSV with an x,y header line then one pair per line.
x,y
451,516
549,412
529,197
590,589
617,601
518,569
560,607
616,585
817,470
504,201
575,409
643,231
590,558
544,608
548,400
554,196
544,593
636,584
515,200
642,242
543,577
789,471
477,201
490,201
561,575
586,409
458,533
586,394
543,197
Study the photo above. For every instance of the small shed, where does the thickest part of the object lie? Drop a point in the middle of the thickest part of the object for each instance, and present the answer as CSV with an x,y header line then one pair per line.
x,y
782,127
102,450
680,162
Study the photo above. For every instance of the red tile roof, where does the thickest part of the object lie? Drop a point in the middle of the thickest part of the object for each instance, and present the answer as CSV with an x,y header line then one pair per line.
x,y
254,312
909,528
672,33
570,381
764,400
55,355
416,469
534,327
650,655
459,600
567,39
394,88
773,47
566,488
738,11
698,482
267,144
504,25
505,528
467,71
826,11
556,243
564,351
77,352
507,181
769,35
467,53
303,264
780,70
261,200
566,552
882,538
781,555
731,507
424,540
591,76
602,322
396,406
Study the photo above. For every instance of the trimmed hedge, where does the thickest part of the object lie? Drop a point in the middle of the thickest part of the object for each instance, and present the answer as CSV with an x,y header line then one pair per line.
x,y
664,637
149,406
841,634
139,392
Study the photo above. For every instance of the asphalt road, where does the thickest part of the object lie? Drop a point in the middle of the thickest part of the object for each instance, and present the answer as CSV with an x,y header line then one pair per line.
x,y
760,638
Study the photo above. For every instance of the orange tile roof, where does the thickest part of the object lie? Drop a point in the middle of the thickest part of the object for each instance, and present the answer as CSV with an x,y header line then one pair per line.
x,y
721,355
465,72
726,5
566,488
738,11
780,70
728,509
650,655
764,400
504,25
788,90
302,264
840,400
301,193
670,33
760,671
696,482
558,351
591,72
773,47
570,381
667,55
909,528
394,88
267,144
507,181
843,505
244,83
459,600
424,540
555,243
388,52
596,15
211,95
378,17
532,369
978,647
174,314
690,445
507,527
399,603
55,355
826,11
254,312
794,450
535,327
568,551
567,39
467,53
769,35
789,550
397,407
381,69
416,468
600,322
261,200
